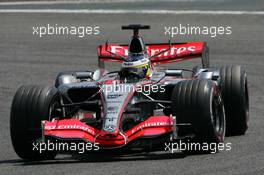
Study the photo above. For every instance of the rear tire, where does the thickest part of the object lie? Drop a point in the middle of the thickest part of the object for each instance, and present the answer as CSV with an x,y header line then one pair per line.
x,y
199,103
234,88
31,105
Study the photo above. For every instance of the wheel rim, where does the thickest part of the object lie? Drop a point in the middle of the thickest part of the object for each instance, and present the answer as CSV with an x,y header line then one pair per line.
x,y
54,109
218,117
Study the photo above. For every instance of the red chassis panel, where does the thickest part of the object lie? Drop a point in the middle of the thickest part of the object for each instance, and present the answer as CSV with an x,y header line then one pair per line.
x,y
74,129
178,52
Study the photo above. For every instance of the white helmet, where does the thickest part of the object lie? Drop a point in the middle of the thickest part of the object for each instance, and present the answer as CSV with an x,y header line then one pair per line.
x,y
137,65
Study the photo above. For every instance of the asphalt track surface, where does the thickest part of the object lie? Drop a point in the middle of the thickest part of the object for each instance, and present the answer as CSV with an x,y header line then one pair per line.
x,y
29,59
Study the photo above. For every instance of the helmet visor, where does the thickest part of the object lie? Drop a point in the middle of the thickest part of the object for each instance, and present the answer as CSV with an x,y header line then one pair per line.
x,y
139,71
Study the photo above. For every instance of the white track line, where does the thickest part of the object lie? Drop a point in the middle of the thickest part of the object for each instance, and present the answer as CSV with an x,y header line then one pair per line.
x,y
68,2
123,11
79,2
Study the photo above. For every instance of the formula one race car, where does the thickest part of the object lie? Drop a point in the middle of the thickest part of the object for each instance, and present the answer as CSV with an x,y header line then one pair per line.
x,y
139,107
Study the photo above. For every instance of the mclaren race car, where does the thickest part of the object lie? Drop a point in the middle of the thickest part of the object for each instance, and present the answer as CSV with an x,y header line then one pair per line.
x,y
138,107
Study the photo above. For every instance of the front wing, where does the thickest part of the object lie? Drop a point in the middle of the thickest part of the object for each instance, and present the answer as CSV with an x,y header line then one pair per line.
x,y
74,129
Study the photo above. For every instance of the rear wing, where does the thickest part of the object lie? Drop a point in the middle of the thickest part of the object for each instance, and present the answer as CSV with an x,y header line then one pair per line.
x,y
177,52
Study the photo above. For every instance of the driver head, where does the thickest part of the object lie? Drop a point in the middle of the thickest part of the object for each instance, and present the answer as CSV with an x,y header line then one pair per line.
x,y
137,65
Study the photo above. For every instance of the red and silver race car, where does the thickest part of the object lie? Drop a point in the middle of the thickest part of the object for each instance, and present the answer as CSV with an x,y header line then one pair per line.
x,y
139,107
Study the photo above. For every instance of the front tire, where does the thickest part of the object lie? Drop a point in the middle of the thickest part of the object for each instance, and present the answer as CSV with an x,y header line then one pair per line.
x,y
31,105
199,103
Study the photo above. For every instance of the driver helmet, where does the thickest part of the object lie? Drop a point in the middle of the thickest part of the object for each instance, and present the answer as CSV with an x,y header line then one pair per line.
x,y
137,65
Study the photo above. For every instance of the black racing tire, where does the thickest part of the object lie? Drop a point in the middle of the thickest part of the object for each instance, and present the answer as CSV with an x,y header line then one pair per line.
x,y
199,103
234,89
31,105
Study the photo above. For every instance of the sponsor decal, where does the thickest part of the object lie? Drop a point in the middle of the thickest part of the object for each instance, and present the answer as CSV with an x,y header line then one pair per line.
x,y
174,51
112,112
111,96
135,63
109,128
152,124
128,64
115,101
110,119
112,108
69,126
